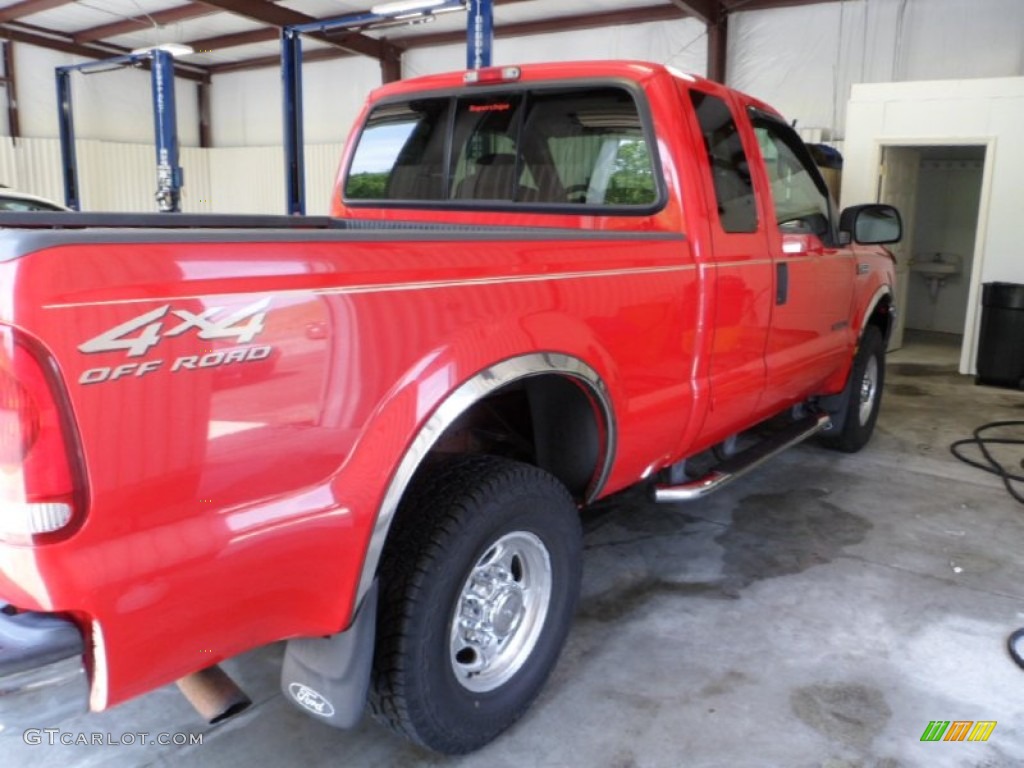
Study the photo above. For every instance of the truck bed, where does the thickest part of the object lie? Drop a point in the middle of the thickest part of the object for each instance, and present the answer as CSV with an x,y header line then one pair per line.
x,y
206,221
29,232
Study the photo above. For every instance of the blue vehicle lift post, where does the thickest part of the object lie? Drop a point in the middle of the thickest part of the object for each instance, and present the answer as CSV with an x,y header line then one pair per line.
x,y
170,177
479,34
480,31
291,86
66,118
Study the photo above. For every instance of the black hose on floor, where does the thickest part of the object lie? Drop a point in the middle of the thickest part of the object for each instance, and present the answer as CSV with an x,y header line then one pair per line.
x,y
1015,642
1015,645
989,463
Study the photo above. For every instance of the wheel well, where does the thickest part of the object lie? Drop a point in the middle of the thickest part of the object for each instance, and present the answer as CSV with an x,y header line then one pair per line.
x,y
882,317
549,421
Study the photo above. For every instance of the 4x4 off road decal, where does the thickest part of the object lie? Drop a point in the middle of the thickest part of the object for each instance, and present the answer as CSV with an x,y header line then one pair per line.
x,y
140,334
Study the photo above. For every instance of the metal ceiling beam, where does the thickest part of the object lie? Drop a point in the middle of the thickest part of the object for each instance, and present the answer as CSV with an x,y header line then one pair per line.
x,y
24,33
718,43
261,62
268,34
28,7
11,86
703,10
278,16
215,43
136,23
271,33
763,5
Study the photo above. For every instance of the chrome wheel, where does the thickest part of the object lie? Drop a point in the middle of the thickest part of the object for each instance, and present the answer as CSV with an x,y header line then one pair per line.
x,y
501,611
868,390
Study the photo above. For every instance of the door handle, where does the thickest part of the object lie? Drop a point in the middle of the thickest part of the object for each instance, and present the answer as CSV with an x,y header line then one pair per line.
x,y
781,283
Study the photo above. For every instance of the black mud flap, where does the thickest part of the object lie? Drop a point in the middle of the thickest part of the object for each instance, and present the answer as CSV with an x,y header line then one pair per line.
x,y
836,406
328,677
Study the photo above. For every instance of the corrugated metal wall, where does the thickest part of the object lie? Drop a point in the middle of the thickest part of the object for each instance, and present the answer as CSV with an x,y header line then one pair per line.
x,y
196,195
321,169
247,179
122,177
116,177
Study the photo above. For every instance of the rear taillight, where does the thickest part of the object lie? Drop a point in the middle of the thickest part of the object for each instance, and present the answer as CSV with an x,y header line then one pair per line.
x,y
42,486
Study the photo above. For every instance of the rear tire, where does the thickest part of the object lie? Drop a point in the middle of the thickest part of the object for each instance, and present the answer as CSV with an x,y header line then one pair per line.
x,y
479,584
863,394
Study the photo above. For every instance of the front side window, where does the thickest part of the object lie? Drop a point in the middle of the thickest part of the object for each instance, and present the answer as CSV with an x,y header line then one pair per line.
x,y
548,147
800,200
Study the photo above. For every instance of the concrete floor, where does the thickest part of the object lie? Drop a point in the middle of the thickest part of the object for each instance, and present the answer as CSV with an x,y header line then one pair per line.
x,y
817,613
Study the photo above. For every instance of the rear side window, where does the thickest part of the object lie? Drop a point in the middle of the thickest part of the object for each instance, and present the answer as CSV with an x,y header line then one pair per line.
x,y
730,170
401,152
547,147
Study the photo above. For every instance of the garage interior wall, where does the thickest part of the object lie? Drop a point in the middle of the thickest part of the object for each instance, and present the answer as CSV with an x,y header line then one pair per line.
x,y
115,105
801,59
986,112
946,221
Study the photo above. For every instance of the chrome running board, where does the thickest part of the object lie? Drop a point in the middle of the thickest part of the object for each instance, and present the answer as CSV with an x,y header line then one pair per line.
x,y
743,462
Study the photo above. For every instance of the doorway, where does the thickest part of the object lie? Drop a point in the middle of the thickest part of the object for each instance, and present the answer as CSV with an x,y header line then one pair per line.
x,y
939,189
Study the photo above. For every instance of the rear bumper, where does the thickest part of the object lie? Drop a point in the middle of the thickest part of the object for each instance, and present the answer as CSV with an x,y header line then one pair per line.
x,y
42,675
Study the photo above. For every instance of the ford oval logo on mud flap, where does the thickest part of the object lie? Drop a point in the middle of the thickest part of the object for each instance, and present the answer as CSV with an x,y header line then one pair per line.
x,y
311,700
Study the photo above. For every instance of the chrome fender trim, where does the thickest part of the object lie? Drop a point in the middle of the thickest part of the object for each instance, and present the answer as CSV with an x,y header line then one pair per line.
x,y
458,402
881,293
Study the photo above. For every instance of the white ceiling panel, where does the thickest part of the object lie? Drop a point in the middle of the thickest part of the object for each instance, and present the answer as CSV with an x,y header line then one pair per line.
x,y
324,9
516,13
84,14
80,15
184,31
243,52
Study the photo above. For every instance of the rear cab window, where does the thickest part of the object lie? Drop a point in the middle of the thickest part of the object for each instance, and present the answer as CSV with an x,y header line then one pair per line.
x,y
560,148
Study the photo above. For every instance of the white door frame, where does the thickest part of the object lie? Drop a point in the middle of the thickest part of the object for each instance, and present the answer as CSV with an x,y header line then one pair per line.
x,y
906,201
968,352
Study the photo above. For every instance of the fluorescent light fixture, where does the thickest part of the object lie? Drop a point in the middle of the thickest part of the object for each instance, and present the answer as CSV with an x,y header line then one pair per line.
x,y
405,6
453,9
175,49
414,21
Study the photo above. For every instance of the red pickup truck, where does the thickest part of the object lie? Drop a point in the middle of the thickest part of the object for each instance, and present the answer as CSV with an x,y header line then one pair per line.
x,y
371,434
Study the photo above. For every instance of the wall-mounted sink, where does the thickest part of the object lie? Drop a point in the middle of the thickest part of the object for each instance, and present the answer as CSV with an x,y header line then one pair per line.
x,y
936,269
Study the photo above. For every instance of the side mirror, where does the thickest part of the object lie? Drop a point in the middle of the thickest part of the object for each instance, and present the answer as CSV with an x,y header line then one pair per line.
x,y
871,224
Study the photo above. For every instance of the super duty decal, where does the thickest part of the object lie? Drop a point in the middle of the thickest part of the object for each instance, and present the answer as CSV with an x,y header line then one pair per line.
x,y
140,334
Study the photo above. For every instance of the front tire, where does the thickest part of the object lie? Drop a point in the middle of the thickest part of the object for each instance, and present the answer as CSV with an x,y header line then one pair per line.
x,y
863,395
479,586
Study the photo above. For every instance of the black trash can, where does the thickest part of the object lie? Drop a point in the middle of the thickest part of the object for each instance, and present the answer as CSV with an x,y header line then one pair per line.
x,y
1001,347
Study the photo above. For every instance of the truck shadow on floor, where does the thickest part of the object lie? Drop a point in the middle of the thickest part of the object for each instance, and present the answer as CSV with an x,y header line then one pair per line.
x,y
637,550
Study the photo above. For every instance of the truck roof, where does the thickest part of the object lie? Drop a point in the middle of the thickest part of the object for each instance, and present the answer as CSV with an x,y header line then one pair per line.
x,y
637,71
